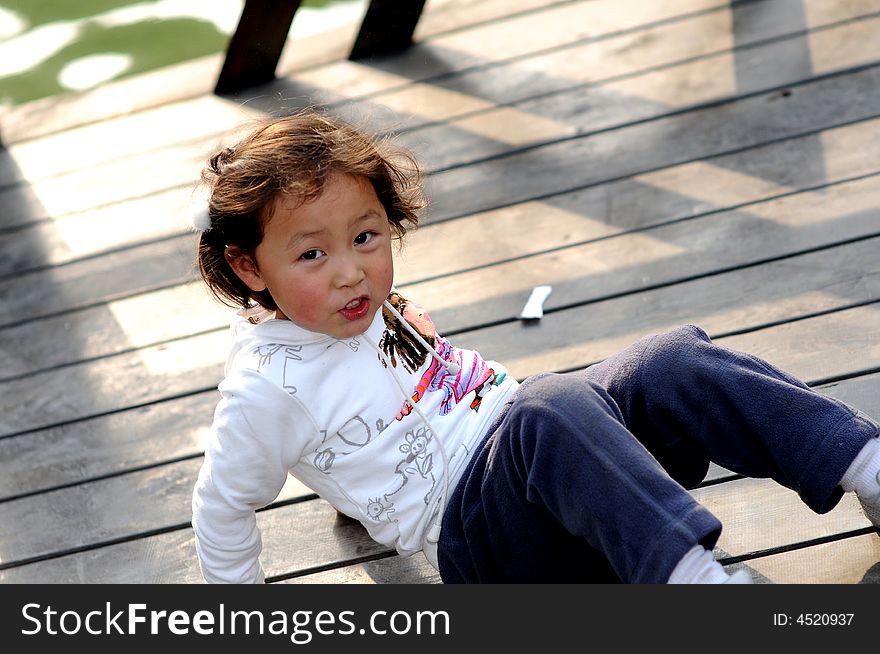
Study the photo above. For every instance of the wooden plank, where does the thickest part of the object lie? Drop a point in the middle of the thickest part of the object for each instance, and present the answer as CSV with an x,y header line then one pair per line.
x,y
669,253
189,364
170,558
842,347
101,511
739,26
619,104
117,98
197,77
468,99
146,319
737,299
106,445
162,559
638,91
556,26
114,443
204,117
860,392
483,182
393,570
75,193
827,48
742,299
125,324
296,537
848,355
442,16
561,227
175,83
587,213
640,260
644,73
106,184
759,514
97,387
636,74
91,281
848,561
305,535
852,560
656,196
849,352
76,236
438,18
517,36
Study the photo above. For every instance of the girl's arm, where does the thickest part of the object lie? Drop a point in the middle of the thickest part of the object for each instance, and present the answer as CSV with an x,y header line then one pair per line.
x,y
246,464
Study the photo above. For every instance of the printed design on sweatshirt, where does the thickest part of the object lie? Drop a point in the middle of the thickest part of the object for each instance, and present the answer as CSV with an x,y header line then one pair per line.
x,y
352,344
354,434
473,376
266,353
379,510
418,462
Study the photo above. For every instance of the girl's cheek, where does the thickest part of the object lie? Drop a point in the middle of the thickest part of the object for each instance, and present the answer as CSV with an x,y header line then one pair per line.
x,y
308,302
387,273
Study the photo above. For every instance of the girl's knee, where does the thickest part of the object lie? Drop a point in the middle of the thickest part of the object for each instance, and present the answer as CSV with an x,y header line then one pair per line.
x,y
552,416
563,397
682,336
665,354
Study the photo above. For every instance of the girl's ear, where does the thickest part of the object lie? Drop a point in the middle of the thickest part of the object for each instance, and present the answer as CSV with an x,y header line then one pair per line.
x,y
245,267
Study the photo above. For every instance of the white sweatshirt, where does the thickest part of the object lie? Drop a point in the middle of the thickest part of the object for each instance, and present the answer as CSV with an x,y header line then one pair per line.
x,y
334,414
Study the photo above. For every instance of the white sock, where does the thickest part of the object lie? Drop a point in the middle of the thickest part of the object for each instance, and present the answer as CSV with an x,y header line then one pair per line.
x,y
698,566
863,474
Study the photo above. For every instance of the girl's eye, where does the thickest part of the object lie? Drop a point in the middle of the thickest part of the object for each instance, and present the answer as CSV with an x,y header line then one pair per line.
x,y
364,238
311,255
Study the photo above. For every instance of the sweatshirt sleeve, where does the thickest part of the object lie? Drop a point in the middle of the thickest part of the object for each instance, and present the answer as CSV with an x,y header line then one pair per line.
x,y
249,451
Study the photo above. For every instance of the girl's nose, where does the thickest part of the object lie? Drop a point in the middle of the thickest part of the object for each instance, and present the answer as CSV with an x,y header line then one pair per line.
x,y
348,272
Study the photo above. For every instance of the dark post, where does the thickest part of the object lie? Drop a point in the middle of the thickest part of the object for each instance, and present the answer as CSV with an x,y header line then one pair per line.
x,y
388,27
255,48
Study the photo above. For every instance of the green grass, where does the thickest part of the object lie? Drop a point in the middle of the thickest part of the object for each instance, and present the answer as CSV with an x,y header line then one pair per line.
x,y
150,44
40,12
142,41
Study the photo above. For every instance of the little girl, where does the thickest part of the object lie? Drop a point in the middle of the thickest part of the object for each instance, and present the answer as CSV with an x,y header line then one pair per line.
x,y
344,383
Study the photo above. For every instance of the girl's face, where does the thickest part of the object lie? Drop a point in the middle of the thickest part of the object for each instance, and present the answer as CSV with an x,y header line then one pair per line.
x,y
327,263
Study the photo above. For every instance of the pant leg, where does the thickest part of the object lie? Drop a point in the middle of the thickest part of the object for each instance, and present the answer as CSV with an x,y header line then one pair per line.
x,y
691,401
562,492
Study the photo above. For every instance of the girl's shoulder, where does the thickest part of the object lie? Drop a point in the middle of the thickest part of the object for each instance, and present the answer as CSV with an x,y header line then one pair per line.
x,y
265,371
273,348
255,411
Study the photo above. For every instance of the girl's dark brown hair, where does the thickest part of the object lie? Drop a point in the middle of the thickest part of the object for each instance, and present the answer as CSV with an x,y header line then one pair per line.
x,y
293,155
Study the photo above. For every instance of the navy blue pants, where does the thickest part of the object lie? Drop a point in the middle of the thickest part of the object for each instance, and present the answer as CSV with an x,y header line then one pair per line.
x,y
582,477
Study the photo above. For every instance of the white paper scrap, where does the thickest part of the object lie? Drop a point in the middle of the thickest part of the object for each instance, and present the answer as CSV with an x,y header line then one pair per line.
x,y
534,307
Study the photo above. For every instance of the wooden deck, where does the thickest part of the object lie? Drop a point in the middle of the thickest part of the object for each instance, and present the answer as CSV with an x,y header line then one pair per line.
x,y
657,163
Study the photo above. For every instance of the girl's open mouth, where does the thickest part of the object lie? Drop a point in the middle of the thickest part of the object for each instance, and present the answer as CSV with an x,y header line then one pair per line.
x,y
356,309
